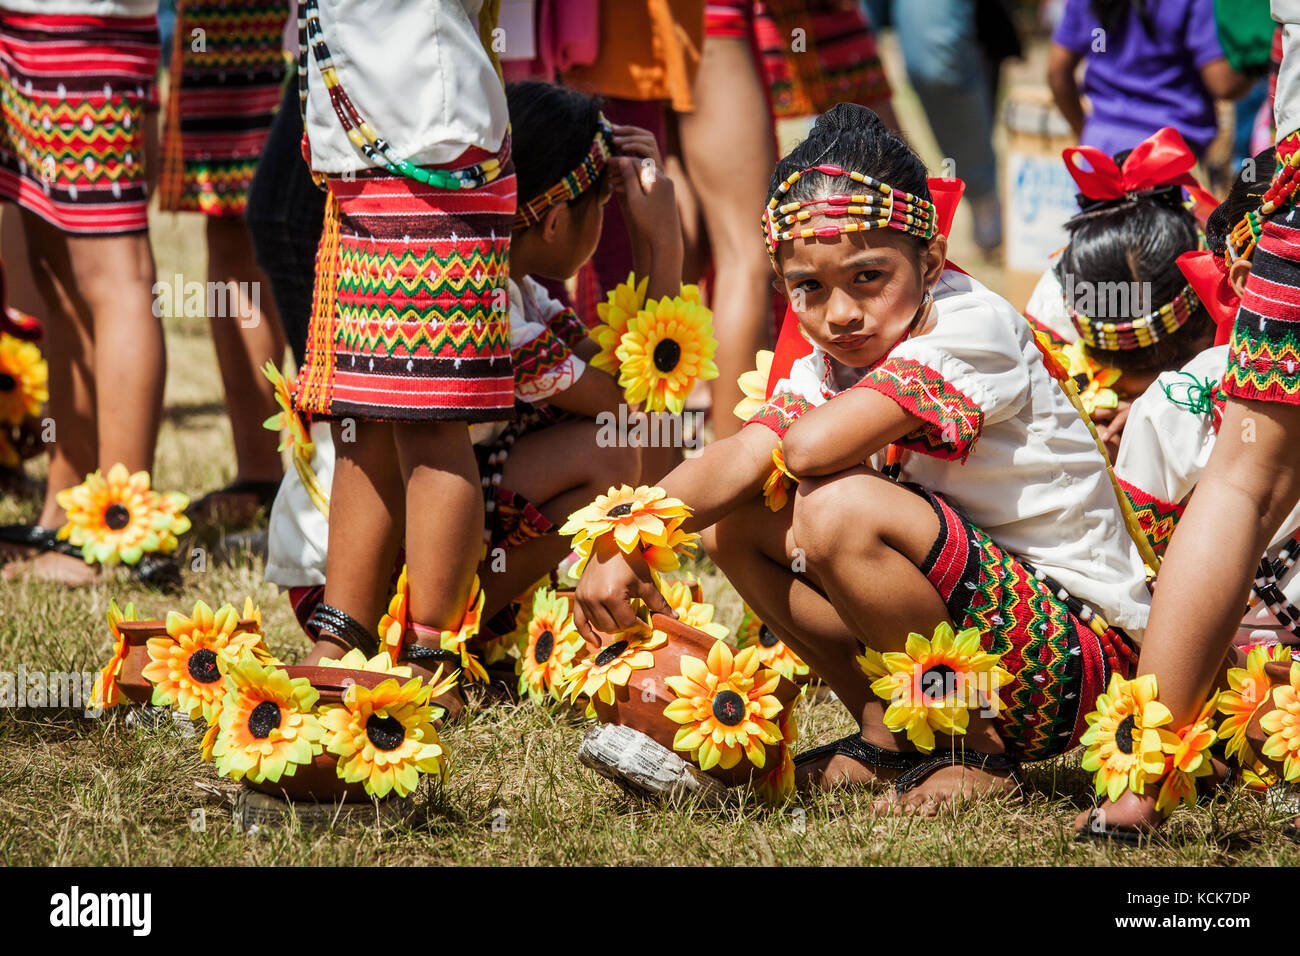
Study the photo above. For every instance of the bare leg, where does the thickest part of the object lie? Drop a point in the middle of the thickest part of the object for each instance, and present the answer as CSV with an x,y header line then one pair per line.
x,y
729,151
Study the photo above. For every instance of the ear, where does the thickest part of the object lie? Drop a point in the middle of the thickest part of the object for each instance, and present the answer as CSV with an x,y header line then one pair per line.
x,y
933,259
1238,273
553,222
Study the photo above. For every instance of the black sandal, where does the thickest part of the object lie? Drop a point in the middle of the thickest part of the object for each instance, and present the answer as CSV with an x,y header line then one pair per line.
x,y
915,766
160,571
263,490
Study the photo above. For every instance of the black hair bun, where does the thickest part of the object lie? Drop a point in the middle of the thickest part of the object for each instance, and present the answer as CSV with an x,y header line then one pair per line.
x,y
850,117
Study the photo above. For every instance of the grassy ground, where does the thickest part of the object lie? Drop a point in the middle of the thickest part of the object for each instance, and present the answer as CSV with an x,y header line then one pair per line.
x,y
79,791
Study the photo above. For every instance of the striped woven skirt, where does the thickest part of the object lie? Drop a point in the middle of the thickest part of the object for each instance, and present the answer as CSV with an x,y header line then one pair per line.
x,y
814,53
227,69
74,91
1058,663
410,320
1264,358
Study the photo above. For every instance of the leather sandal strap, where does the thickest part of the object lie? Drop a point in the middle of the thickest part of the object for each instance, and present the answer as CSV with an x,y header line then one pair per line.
x,y
328,619
926,764
417,652
854,746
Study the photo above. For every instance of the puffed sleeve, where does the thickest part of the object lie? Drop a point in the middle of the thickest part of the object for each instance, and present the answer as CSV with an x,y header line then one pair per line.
x,y
543,359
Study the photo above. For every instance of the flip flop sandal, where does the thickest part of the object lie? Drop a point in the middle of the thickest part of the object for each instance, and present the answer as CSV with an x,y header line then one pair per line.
x,y
160,571
263,491
915,767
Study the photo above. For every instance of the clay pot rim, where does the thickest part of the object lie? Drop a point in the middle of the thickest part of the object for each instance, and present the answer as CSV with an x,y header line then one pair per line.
x,y
137,632
330,681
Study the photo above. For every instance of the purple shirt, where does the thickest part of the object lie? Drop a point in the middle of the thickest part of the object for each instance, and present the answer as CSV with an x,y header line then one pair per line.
x,y
1141,82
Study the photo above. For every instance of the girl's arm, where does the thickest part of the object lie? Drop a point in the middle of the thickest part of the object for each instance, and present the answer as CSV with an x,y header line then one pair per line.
x,y
728,473
844,432
1061,65
594,392
649,206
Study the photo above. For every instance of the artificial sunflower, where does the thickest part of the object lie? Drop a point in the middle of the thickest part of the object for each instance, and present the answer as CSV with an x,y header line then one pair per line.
x,y
1093,379
287,422
668,556
356,660
597,675
776,783
266,728
1248,688
1282,724
118,517
384,737
776,489
934,684
1057,364
620,306
547,650
184,666
691,610
667,348
726,707
393,623
642,514
772,651
24,380
754,386
458,640
1126,737
1188,759
105,693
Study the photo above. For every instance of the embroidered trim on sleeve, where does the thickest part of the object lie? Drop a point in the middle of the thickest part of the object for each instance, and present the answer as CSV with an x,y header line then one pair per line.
x,y
1157,518
952,422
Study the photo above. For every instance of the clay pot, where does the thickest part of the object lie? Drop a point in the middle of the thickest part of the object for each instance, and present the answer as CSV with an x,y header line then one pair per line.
x,y
134,686
318,781
1279,673
640,705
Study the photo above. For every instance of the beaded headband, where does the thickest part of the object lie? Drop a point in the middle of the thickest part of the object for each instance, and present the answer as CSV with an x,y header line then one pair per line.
x,y
882,207
575,183
1136,333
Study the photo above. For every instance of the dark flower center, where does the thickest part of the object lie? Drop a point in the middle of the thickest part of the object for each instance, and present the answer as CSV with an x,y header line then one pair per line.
x,y
767,638
264,719
7,382
386,733
667,354
1081,381
203,666
938,681
619,511
1124,734
117,517
542,649
729,707
608,655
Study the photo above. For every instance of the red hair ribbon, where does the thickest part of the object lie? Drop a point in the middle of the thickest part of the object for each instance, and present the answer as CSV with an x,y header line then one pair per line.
x,y
1162,159
1208,277
945,193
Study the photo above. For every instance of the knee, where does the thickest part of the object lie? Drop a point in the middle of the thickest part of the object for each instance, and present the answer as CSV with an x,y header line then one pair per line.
x,y
824,508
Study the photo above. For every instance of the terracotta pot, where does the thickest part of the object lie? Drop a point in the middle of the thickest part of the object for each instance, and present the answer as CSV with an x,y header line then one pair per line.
x,y
318,781
131,680
640,705
1279,673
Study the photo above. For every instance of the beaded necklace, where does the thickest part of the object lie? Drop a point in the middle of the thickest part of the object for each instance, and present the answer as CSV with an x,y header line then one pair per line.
x,y
883,207
359,131
1136,333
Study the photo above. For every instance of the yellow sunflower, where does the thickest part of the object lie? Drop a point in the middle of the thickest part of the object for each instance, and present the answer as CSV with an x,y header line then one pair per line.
x,y
631,514
458,641
184,666
776,783
287,422
1093,379
597,675
24,380
667,347
668,556
120,518
726,706
1248,687
682,598
1126,737
393,623
266,729
772,651
754,386
1188,759
776,489
547,650
384,737
620,306
105,693
1282,724
934,684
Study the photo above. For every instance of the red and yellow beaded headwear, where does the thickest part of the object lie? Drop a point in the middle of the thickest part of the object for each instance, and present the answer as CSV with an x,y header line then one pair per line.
x,y
576,182
1137,333
880,207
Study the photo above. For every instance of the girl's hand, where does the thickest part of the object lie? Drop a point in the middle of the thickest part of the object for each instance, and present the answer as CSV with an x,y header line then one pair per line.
x,y
638,143
1110,423
606,589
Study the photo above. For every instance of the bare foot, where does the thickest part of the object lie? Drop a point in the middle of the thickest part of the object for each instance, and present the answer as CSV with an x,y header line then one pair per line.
x,y
946,786
839,770
1133,813
53,567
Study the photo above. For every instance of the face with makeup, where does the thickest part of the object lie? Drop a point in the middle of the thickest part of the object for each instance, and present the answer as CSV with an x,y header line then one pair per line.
x,y
857,294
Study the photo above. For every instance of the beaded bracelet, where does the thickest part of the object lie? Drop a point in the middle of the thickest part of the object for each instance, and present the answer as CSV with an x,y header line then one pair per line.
x,y
574,183
884,207
1136,333
361,134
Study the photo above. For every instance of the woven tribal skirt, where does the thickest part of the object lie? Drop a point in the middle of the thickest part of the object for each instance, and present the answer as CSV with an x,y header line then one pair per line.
x,y
227,70
74,91
409,316
1264,360
1058,663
